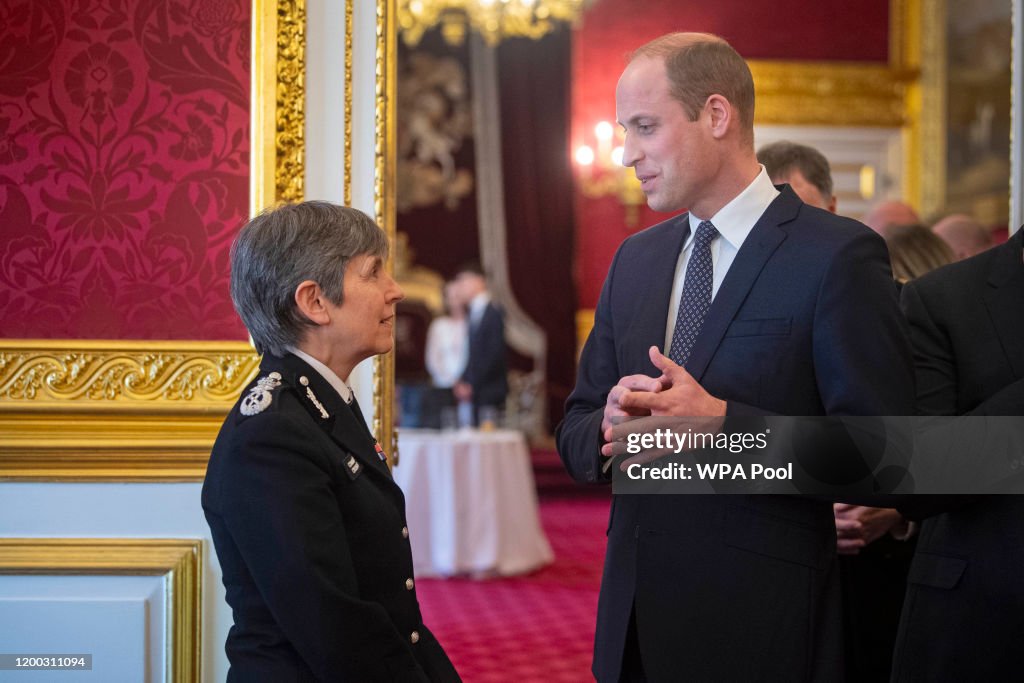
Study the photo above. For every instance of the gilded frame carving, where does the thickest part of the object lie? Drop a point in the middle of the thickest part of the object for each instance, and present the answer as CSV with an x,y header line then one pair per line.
x,y
179,560
114,410
385,150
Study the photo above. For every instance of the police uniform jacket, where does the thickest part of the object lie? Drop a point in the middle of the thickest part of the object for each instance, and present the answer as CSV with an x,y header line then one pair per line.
x,y
310,531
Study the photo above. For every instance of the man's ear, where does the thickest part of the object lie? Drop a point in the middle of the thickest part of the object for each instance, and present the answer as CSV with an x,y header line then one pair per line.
x,y
311,302
719,113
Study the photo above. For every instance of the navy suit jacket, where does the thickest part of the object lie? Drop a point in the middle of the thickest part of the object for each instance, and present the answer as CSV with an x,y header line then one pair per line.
x,y
963,615
487,365
806,322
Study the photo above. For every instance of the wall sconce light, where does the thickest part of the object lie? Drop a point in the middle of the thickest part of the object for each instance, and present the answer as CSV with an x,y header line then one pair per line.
x,y
600,172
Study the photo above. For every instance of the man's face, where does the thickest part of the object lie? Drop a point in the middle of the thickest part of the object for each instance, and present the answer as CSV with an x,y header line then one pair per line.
x,y
469,284
364,323
670,154
807,192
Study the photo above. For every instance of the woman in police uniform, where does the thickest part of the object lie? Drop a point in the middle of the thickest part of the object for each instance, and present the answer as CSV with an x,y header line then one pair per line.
x,y
308,525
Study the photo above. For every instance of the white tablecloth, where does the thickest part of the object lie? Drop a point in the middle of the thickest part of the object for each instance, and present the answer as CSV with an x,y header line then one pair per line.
x,y
471,503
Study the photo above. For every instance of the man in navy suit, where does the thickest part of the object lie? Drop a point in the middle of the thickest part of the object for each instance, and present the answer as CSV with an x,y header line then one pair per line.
x,y
781,308
484,382
963,616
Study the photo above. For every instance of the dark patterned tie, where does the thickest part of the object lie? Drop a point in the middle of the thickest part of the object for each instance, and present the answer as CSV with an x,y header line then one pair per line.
x,y
696,298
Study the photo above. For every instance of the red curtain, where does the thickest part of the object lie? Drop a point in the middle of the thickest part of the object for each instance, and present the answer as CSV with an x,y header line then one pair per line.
x,y
535,114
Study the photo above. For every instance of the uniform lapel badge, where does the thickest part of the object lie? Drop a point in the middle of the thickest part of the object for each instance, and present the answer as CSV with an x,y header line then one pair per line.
x,y
353,466
380,452
260,396
312,397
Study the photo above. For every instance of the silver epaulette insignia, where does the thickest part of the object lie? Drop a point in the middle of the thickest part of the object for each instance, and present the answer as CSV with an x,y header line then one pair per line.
x,y
312,397
260,396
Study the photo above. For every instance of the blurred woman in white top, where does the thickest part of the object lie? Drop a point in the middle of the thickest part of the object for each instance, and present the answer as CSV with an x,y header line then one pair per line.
x,y
447,341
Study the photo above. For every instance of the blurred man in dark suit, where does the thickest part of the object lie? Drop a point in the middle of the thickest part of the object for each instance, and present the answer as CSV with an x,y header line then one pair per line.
x,y
485,379
963,616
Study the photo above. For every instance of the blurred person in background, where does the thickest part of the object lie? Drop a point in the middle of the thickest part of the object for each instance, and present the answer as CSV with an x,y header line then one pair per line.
x,y
890,212
964,235
447,351
915,250
803,168
484,382
963,616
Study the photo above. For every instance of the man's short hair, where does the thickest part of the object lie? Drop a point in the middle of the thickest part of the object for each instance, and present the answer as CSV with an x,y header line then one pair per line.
x,y
470,268
700,65
286,245
782,158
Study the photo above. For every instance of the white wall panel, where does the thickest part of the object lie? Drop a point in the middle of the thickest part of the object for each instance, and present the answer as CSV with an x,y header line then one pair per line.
x,y
88,510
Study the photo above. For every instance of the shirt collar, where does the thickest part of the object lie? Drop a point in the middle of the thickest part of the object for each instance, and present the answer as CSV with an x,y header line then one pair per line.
x,y
477,305
735,220
338,383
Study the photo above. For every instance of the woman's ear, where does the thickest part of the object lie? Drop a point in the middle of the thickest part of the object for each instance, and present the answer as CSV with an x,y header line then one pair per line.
x,y
311,302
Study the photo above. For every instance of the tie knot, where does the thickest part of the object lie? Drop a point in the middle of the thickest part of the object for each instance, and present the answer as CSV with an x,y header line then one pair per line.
x,y
706,232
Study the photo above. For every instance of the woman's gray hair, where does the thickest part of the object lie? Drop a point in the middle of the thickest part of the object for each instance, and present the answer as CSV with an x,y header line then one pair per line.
x,y
283,246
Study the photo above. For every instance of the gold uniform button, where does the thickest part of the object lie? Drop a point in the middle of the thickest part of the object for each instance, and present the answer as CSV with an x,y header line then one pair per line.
x,y
405,532
415,637
409,584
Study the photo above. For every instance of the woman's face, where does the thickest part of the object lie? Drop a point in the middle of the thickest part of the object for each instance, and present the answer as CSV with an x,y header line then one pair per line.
x,y
363,325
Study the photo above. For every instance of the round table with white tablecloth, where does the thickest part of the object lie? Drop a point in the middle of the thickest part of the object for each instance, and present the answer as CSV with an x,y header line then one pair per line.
x,y
471,502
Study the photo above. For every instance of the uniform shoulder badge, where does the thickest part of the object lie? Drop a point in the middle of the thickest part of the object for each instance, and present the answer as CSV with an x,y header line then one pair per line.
x,y
260,396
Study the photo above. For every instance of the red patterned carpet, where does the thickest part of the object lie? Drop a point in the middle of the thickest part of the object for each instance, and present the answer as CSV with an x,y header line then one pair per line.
x,y
538,627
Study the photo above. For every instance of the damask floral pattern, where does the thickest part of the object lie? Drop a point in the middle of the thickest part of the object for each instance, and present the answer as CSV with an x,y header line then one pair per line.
x,y
124,162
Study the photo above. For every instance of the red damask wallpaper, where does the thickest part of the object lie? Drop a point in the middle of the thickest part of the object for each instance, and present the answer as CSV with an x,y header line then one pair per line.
x,y
124,166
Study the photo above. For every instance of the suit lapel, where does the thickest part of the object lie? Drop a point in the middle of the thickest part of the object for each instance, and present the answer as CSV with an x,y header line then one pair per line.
x,y
648,327
1006,293
761,243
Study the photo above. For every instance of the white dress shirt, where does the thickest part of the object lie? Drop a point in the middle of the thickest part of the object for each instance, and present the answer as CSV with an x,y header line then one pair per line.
x,y
447,350
476,307
734,222
343,389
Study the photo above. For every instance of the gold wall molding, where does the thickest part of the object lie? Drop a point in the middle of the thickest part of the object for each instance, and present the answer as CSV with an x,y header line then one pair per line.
x,y
917,38
925,156
291,102
830,93
278,103
115,410
584,324
180,561
385,151
89,374
349,31
98,410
